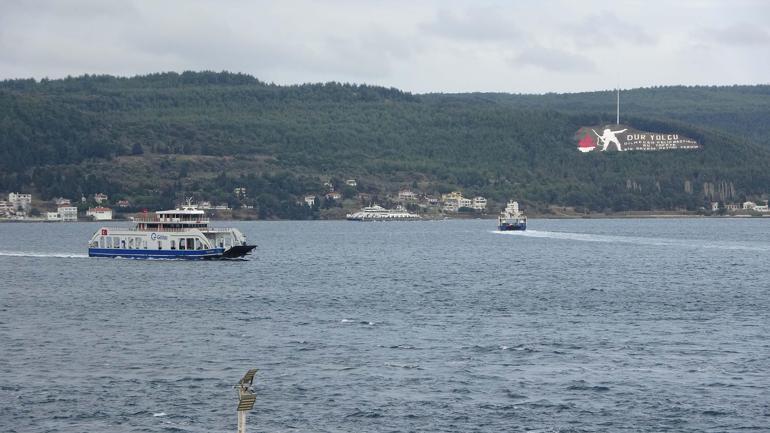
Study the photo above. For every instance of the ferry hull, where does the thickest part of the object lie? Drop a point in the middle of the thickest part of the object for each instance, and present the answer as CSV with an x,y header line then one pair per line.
x,y
237,251
506,227
215,253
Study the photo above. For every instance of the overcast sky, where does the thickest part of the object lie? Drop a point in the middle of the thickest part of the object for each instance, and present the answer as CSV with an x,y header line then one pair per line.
x,y
418,46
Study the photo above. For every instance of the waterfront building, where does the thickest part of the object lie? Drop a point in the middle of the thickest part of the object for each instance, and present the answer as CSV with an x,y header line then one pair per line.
x,y
452,196
68,213
479,203
20,201
407,195
451,206
334,195
6,209
100,198
100,213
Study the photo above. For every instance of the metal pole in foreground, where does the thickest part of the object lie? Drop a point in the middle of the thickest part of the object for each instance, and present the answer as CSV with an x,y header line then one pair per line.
x,y
246,398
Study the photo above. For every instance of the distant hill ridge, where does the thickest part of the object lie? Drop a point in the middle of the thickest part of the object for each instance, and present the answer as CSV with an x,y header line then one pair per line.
x,y
155,136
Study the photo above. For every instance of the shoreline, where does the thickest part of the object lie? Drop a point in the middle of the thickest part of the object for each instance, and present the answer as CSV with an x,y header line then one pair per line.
x,y
445,218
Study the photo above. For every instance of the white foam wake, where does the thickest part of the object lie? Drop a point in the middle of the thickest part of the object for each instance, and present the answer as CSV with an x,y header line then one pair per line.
x,y
638,240
35,254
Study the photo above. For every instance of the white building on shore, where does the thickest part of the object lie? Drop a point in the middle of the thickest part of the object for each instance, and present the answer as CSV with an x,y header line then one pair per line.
x,y
407,195
20,201
479,203
750,205
7,209
100,213
68,213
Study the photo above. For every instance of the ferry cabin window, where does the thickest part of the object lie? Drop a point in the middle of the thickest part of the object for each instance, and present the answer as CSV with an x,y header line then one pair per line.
x,y
198,244
173,245
131,243
190,243
101,242
181,244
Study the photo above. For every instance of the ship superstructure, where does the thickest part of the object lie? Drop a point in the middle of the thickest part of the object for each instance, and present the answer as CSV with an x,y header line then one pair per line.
x,y
511,218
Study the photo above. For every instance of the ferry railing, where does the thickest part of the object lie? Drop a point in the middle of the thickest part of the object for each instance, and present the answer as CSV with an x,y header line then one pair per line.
x,y
169,229
170,220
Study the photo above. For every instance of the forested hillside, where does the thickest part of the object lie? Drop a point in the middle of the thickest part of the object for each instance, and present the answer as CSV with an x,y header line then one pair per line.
x,y
743,111
155,138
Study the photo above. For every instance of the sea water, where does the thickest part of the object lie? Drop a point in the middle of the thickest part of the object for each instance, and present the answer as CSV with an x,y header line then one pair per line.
x,y
431,326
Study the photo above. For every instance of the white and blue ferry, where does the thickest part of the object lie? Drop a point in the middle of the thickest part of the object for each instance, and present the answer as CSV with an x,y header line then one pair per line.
x,y
182,233
511,218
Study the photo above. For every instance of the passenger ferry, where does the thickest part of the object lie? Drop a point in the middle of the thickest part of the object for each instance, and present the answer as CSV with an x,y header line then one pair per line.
x,y
182,233
379,213
511,218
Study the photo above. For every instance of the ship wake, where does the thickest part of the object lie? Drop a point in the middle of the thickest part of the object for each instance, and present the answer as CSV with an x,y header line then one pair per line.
x,y
42,255
638,240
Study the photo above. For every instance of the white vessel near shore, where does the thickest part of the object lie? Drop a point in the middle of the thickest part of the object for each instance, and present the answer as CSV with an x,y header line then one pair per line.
x,y
182,233
511,219
379,213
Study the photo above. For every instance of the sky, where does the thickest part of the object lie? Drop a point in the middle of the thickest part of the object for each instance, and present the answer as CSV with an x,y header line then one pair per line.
x,y
417,46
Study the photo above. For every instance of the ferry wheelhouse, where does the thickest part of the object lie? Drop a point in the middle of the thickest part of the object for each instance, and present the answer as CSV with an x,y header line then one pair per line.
x,y
182,233
511,218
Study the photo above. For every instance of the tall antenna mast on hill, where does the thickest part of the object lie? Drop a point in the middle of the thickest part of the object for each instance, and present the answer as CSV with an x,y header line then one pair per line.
x,y
617,118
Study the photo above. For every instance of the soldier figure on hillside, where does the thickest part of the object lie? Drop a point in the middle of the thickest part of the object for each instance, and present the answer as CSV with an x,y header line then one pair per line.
x,y
608,137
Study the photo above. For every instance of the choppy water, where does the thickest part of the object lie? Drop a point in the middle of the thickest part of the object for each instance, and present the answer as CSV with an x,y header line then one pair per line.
x,y
578,325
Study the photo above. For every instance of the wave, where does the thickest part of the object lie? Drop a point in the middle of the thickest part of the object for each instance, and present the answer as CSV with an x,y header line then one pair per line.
x,y
44,255
637,240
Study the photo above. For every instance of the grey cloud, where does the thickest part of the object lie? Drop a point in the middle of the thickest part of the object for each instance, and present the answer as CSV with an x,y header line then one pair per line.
x,y
474,24
553,60
432,45
739,34
607,29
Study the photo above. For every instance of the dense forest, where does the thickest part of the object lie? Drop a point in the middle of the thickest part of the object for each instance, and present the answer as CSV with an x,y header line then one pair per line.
x,y
152,139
